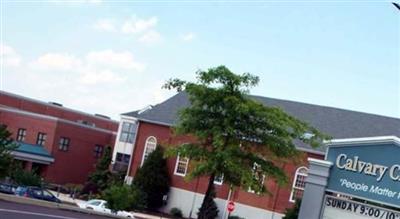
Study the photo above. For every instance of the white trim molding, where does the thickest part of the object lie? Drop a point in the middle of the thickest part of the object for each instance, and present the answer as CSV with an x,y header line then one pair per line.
x,y
319,162
362,141
219,183
31,157
181,160
296,177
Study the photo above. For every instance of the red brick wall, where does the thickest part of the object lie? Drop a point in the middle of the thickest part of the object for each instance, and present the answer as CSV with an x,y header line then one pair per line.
x,y
31,105
33,126
72,166
277,201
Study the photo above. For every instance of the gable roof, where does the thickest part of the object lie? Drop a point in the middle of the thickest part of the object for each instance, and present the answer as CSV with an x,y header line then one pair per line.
x,y
338,123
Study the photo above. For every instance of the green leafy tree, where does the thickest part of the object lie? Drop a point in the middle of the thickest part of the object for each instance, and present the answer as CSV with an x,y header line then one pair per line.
x,y
234,132
26,178
101,177
293,213
176,213
124,197
153,179
6,146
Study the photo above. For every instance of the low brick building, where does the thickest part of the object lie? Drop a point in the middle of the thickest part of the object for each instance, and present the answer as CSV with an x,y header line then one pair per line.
x,y
61,144
140,132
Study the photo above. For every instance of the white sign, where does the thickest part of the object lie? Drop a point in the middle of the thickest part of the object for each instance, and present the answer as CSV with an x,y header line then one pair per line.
x,y
346,209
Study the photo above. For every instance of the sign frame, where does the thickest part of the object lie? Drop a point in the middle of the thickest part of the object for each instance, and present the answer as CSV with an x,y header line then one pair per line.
x,y
356,142
360,203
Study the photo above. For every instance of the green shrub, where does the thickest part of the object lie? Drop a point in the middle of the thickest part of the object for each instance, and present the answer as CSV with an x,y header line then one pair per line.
x,y
293,213
6,146
26,178
235,217
100,178
153,179
176,212
124,197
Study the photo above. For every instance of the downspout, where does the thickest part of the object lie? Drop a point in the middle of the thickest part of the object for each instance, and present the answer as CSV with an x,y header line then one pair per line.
x,y
276,198
194,197
225,215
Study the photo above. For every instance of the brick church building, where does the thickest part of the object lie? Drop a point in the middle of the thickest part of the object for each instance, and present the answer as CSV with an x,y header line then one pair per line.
x,y
61,144
141,131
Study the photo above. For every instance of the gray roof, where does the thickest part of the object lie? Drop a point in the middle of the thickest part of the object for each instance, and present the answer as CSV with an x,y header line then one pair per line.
x,y
338,123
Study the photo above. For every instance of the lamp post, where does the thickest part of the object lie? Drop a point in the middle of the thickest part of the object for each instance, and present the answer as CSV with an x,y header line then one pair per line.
x,y
397,5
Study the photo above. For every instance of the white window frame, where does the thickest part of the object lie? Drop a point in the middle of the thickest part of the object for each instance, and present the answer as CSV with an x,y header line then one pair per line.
x,y
130,133
146,144
178,160
63,144
21,134
294,187
216,182
255,166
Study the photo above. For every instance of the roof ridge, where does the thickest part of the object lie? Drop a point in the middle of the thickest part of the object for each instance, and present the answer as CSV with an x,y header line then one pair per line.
x,y
330,107
56,106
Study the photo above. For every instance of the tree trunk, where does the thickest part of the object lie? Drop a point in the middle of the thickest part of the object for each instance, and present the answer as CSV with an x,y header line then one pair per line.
x,y
210,186
206,206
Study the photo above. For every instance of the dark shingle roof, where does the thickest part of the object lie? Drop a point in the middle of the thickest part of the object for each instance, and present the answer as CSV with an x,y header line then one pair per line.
x,y
338,123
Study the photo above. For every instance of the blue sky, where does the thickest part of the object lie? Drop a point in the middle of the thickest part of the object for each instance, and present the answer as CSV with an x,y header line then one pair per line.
x,y
111,57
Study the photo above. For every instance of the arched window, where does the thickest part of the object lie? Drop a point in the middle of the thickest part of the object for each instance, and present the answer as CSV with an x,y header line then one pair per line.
x,y
150,146
299,183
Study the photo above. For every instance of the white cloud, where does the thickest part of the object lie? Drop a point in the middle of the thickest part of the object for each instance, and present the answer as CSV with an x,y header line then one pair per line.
x,y
158,94
99,77
56,61
135,25
142,29
96,67
188,36
150,37
92,78
9,56
105,25
109,58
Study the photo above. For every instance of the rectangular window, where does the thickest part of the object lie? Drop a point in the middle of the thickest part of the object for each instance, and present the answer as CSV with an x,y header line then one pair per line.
x,y
218,180
181,166
127,132
121,162
258,176
41,139
123,158
21,134
63,144
98,150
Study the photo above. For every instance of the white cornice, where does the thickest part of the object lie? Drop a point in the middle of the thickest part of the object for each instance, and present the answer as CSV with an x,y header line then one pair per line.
x,y
363,141
319,162
32,157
